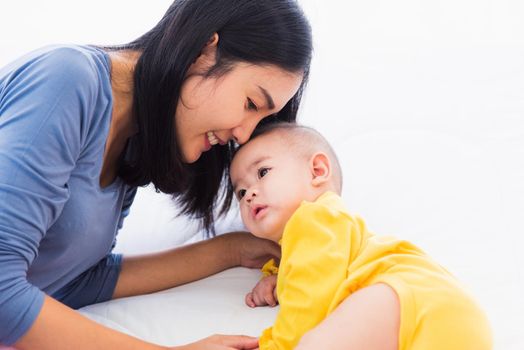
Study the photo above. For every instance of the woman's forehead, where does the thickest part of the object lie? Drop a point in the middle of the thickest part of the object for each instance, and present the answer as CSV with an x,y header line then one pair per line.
x,y
272,80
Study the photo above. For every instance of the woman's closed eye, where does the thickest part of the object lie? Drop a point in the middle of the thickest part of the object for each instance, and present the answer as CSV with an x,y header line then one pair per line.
x,y
251,105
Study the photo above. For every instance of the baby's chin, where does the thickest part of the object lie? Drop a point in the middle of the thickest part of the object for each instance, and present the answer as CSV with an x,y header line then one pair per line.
x,y
272,236
264,234
261,234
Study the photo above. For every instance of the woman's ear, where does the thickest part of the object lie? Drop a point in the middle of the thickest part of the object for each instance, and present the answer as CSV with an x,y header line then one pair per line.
x,y
207,57
211,45
320,167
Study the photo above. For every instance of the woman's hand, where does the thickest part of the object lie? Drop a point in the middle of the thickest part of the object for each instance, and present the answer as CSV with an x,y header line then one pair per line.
x,y
149,273
222,342
250,251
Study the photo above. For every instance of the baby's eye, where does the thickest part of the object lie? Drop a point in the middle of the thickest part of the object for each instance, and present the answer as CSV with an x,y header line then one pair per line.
x,y
241,193
263,172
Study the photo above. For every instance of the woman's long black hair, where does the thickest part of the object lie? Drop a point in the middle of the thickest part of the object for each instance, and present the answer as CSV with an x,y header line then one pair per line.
x,y
272,32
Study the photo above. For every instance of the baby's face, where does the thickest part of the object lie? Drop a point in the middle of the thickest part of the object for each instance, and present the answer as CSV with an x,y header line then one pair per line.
x,y
270,182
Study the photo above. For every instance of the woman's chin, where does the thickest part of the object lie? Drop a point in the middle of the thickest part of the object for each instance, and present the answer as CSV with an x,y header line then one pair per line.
x,y
191,158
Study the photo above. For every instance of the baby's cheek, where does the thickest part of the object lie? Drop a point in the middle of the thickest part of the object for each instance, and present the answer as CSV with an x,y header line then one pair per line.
x,y
244,217
248,223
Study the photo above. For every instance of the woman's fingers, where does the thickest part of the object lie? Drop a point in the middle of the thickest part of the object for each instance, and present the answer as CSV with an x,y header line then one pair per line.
x,y
223,342
239,342
254,252
275,250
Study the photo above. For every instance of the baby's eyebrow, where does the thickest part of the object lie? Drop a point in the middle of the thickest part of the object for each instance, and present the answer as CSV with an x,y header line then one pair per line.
x,y
248,169
234,184
257,161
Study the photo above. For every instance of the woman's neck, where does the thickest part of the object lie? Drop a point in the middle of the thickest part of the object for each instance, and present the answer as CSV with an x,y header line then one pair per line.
x,y
122,82
123,126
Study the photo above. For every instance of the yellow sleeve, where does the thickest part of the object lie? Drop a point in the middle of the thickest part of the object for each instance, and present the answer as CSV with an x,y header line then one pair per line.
x,y
270,268
315,255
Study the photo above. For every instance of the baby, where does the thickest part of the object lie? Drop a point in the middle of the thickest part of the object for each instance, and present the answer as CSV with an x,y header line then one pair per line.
x,y
336,281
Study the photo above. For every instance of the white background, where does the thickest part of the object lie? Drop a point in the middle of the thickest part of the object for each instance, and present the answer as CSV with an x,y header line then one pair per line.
x,y
423,101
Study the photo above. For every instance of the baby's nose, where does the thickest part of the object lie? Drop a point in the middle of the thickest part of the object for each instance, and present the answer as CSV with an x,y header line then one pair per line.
x,y
250,195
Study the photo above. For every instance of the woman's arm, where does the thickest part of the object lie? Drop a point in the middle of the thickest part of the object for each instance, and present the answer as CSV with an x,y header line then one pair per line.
x,y
61,328
58,327
153,272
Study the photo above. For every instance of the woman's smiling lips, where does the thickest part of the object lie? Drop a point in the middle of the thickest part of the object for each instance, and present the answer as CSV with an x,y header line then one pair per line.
x,y
212,139
207,144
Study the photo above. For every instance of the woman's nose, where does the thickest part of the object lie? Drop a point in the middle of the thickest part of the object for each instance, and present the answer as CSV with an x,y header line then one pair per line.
x,y
242,133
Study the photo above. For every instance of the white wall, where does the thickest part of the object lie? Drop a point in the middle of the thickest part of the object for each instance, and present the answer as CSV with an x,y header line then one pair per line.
x,y
423,101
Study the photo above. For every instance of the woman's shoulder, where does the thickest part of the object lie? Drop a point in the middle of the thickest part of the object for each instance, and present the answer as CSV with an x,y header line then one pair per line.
x,y
80,58
57,90
60,66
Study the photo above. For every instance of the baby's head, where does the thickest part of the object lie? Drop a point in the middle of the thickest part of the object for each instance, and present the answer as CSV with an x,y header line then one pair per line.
x,y
282,165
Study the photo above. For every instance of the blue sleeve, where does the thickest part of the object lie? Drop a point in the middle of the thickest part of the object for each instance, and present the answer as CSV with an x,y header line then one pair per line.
x,y
93,286
126,207
44,111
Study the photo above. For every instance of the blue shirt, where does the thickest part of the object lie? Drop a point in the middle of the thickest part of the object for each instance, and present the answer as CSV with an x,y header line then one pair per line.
x,y
57,226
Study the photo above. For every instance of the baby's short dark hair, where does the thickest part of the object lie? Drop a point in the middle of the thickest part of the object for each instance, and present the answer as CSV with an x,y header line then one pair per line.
x,y
305,141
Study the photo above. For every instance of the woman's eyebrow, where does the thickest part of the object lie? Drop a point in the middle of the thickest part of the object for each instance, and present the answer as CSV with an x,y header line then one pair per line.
x,y
269,100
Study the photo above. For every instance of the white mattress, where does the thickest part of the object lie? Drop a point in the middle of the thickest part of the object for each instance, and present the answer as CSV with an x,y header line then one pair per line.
x,y
181,315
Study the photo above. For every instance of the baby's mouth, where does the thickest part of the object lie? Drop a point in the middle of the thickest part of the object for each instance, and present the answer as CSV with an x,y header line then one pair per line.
x,y
257,209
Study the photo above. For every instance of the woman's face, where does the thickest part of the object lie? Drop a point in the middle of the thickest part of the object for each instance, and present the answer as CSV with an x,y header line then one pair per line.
x,y
218,109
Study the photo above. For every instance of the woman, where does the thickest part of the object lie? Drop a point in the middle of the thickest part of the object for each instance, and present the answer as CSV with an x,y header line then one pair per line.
x,y
81,127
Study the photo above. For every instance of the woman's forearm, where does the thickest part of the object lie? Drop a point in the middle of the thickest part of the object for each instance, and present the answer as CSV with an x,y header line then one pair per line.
x,y
158,271
58,327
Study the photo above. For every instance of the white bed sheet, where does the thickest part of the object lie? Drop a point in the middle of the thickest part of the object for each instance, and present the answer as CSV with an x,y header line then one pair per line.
x,y
190,312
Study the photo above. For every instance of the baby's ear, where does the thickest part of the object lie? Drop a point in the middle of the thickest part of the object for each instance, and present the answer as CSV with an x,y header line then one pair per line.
x,y
320,167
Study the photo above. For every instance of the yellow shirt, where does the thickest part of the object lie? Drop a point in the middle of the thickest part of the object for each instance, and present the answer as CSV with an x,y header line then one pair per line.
x,y
327,254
